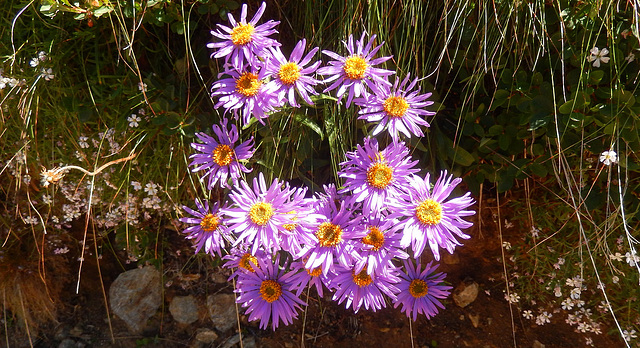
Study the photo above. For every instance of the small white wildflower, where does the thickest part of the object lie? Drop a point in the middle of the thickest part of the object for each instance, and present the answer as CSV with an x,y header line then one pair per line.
x,y
507,223
46,199
557,291
506,245
609,157
588,341
579,303
151,189
561,261
575,293
629,335
82,142
567,304
543,318
31,220
583,327
133,120
34,62
59,251
535,232
598,56
632,258
142,87
528,314
136,185
630,58
615,279
512,297
42,56
47,74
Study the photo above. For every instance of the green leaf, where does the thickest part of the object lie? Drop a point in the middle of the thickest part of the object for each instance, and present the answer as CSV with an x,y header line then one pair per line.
x,y
538,169
567,107
596,76
305,120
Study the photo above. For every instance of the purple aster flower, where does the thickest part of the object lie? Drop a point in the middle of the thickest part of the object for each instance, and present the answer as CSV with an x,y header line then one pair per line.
x,y
303,221
241,260
431,218
305,276
245,94
379,243
260,213
333,234
221,158
207,229
420,291
267,294
244,40
290,75
377,178
360,288
356,70
397,108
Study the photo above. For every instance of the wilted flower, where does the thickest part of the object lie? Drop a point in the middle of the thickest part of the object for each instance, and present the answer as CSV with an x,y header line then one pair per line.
x,y
598,56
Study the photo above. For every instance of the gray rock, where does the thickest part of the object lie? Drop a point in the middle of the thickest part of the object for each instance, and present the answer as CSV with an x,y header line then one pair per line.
x,y
222,310
184,309
206,336
247,341
135,296
465,293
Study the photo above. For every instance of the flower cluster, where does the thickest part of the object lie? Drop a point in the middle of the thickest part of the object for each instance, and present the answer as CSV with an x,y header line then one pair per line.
x,y
362,241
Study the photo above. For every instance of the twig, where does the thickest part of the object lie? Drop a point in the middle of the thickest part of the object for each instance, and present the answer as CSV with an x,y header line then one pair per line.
x,y
56,174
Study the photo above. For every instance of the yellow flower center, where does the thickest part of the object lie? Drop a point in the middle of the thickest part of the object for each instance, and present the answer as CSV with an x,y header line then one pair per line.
x,y
329,234
316,272
395,106
260,213
270,290
222,155
209,222
429,212
246,262
418,288
355,67
242,34
374,238
248,84
361,279
379,175
289,73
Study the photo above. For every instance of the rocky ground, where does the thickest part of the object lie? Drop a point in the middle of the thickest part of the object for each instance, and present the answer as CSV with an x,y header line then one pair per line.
x,y
189,303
